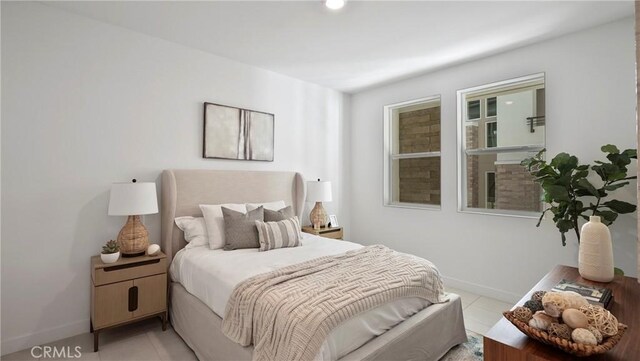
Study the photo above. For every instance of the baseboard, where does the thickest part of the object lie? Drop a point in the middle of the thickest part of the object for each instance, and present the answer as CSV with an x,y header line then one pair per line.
x,y
482,290
42,337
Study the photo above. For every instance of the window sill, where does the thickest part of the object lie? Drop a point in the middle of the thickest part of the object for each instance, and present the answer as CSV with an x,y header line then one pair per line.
x,y
501,212
430,207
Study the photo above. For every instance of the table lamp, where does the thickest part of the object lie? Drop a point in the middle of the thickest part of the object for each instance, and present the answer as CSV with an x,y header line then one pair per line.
x,y
318,192
132,200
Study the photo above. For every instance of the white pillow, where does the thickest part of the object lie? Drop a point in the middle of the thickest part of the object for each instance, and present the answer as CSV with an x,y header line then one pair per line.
x,y
195,231
272,206
214,221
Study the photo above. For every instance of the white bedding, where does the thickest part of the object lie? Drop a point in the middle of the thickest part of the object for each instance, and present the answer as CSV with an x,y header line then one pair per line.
x,y
211,276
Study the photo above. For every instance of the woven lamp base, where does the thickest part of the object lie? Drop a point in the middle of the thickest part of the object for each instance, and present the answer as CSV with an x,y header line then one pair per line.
x,y
133,238
318,216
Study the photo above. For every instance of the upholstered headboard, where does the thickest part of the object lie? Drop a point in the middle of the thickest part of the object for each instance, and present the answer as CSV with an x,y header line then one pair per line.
x,y
183,190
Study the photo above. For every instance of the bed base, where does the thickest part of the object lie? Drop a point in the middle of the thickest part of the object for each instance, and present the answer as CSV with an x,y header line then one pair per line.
x,y
427,335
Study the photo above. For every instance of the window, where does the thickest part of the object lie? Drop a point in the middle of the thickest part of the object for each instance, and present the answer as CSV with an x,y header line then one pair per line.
x,y
473,110
490,190
491,107
491,134
491,146
412,153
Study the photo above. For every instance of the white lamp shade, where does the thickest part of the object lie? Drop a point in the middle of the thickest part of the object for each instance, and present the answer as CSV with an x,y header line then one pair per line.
x,y
132,199
319,191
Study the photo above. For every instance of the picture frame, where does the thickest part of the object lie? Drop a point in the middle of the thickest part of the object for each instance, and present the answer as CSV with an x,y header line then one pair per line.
x,y
333,220
237,133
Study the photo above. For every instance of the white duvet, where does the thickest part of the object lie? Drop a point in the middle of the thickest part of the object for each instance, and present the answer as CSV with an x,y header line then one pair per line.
x,y
211,276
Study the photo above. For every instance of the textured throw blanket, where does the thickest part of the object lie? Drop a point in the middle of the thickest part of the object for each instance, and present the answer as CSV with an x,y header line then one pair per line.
x,y
287,314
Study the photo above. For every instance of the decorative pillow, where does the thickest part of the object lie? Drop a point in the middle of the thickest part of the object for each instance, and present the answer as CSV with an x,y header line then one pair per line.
x,y
195,231
240,228
215,222
279,215
273,206
280,234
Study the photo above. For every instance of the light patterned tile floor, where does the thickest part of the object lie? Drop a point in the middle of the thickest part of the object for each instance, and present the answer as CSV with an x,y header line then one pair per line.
x,y
145,341
480,313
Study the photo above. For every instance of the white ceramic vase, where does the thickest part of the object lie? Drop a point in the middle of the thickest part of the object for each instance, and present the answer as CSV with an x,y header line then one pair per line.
x,y
595,260
110,257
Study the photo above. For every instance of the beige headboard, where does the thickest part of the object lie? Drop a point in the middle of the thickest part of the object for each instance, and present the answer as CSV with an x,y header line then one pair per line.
x,y
183,190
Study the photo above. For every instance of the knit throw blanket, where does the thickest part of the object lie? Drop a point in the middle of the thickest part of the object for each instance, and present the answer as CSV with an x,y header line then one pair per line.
x,y
287,314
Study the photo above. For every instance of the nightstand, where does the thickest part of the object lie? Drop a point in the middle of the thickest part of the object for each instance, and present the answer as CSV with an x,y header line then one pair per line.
x,y
328,232
129,290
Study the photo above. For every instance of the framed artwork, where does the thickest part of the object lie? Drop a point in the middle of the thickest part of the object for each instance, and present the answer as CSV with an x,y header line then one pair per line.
x,y
333,220
235,133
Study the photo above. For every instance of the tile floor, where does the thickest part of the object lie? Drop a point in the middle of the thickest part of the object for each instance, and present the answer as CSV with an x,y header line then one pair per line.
x,y
145,341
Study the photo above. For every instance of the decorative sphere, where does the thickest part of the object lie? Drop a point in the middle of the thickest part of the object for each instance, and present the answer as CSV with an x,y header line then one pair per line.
x,y
560,330
537,295
581,335
523,314
533,305
574,318
153,250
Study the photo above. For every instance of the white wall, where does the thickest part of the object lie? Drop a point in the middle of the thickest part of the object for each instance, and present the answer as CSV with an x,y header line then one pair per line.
x,y
86,104
590,87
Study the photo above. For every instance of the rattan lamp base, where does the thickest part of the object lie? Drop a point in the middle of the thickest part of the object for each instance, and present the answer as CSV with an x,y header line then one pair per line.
x,y
133,238
318,216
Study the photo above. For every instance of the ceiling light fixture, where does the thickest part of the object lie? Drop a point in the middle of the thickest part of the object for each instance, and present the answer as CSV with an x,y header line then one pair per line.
x,y
334,4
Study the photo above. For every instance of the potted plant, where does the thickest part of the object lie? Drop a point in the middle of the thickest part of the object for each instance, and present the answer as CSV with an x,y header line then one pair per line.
x,y
110,252
571,196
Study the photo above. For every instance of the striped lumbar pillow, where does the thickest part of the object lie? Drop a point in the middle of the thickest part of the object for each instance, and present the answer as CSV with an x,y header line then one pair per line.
x,y
285,233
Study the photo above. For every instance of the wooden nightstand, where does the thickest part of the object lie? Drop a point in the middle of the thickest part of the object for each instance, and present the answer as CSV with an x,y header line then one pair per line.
x,y
130,290
505,342
328,232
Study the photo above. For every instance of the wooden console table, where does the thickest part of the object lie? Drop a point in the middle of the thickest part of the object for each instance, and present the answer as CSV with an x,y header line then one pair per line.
x,y
504,342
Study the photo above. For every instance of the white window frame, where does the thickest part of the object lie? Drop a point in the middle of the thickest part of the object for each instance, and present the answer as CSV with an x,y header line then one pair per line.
x,y
389,157
462,151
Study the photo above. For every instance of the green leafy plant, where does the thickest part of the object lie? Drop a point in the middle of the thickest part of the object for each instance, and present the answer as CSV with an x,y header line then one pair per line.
x,y
110,247
571,196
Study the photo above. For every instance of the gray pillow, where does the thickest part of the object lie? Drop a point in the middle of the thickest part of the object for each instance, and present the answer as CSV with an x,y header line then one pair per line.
x,y
240,228
276,216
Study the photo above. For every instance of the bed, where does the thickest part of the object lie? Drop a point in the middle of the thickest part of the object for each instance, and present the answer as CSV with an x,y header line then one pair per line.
x,y
423,333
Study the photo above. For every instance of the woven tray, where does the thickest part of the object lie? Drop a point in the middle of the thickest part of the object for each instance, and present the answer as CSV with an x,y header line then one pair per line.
x,y
577,349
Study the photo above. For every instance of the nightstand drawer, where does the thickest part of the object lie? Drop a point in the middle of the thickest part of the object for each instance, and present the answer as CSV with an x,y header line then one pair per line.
x,y
335,234
122,272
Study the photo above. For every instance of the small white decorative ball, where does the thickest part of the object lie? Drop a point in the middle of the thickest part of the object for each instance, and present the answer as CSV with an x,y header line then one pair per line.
x,y
153,250
581,335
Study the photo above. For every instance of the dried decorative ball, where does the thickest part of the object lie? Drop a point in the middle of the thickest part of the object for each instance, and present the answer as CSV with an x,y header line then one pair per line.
x,y
574,299
542,321
601,319
560,330
582,335
533,305
574,318
523,314
537,295
556,302
596,333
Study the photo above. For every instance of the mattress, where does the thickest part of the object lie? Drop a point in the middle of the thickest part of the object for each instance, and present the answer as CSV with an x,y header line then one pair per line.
x,y
211,276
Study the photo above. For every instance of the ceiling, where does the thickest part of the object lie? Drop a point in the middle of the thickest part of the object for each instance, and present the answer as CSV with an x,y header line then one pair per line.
x,y
360,46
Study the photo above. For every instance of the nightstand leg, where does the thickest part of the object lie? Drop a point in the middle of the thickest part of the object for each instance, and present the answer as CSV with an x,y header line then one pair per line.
x,y
164,321
95,341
